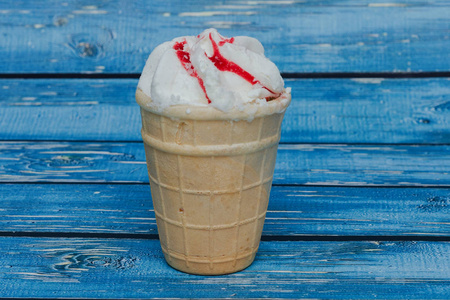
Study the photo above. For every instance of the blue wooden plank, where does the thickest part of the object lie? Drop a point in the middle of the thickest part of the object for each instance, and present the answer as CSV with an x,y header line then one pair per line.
x,y
293,211
346,165
373,110
98,268
69,110
299,36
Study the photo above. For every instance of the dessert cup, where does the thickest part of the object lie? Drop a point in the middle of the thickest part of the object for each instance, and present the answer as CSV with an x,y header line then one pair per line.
x,y
210,175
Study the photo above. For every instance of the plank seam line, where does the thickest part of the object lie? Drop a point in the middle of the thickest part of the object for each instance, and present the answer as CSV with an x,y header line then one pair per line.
x,y
281,143
423,186
347,238
266,238
47,298
365,144
349,75
71,141
286,75
58,298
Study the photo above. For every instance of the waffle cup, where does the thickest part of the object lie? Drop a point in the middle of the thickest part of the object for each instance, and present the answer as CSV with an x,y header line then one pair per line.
x,y
210,176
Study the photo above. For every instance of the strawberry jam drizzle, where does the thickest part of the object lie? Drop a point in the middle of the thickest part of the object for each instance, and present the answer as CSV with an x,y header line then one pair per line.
x,y
185,59
225,65
221,63
223,42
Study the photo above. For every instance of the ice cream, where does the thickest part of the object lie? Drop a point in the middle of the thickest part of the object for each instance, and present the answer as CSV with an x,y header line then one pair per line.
x,y
211,112
210,69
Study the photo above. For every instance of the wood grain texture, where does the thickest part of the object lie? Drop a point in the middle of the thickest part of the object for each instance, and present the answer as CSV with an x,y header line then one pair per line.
x,y
69,109
98,268
299,36
293,211
346,165
365,110
72,162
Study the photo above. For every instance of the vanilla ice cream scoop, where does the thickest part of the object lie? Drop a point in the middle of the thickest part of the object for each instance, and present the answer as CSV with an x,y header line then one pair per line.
x,y
210,70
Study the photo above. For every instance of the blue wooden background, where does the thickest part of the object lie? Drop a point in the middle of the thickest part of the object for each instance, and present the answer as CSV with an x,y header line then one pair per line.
x,y
360,204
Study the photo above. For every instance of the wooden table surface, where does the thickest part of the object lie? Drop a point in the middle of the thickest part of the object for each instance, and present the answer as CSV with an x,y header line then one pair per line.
x,y
360,204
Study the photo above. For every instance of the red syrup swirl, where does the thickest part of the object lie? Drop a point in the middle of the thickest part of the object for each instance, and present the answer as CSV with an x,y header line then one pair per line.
x,y
224,41
185,59
225,65
220,62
